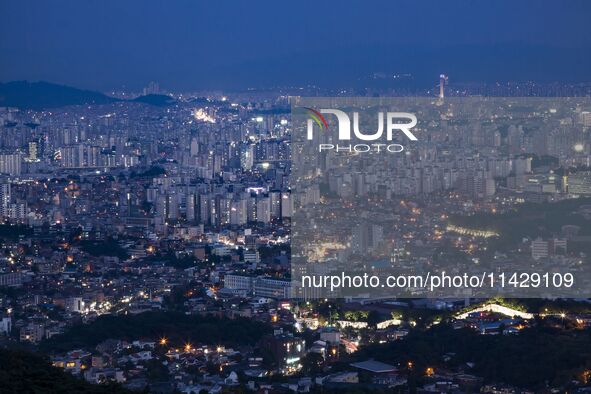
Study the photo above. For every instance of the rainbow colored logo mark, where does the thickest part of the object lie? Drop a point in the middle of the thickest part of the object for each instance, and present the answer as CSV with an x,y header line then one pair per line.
x,y
318,118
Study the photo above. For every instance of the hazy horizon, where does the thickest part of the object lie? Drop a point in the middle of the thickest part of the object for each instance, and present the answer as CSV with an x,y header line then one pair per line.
x,y
187,45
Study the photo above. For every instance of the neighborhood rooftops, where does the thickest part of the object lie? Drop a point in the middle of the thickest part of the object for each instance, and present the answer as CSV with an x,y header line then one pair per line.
x,y
374,366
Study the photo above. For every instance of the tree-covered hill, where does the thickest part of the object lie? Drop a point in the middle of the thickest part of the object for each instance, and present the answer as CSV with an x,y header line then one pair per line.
x,y
177,327
533,358
22,372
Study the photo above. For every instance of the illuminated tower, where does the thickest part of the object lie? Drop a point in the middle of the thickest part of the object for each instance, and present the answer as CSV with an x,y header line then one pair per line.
x,y
442,82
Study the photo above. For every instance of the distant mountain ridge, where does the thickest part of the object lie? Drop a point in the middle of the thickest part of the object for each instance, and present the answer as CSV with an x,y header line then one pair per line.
x,y
41,95
45,95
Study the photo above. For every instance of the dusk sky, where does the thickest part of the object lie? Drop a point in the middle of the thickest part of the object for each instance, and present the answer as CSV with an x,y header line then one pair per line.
x,y
186,45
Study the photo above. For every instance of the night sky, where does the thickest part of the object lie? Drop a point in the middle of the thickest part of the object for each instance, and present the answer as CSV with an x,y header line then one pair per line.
x,y
184,45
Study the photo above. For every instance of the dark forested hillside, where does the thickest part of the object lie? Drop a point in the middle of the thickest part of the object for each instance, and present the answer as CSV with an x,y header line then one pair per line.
x,y
23,372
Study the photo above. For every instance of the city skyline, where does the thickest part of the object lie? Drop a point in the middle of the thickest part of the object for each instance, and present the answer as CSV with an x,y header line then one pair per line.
x,y
279,197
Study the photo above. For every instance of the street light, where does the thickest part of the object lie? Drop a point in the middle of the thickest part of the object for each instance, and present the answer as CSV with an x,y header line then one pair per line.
x,y
562,316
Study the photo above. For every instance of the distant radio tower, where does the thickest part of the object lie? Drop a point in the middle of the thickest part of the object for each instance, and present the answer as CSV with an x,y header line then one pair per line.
x,y
442,82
